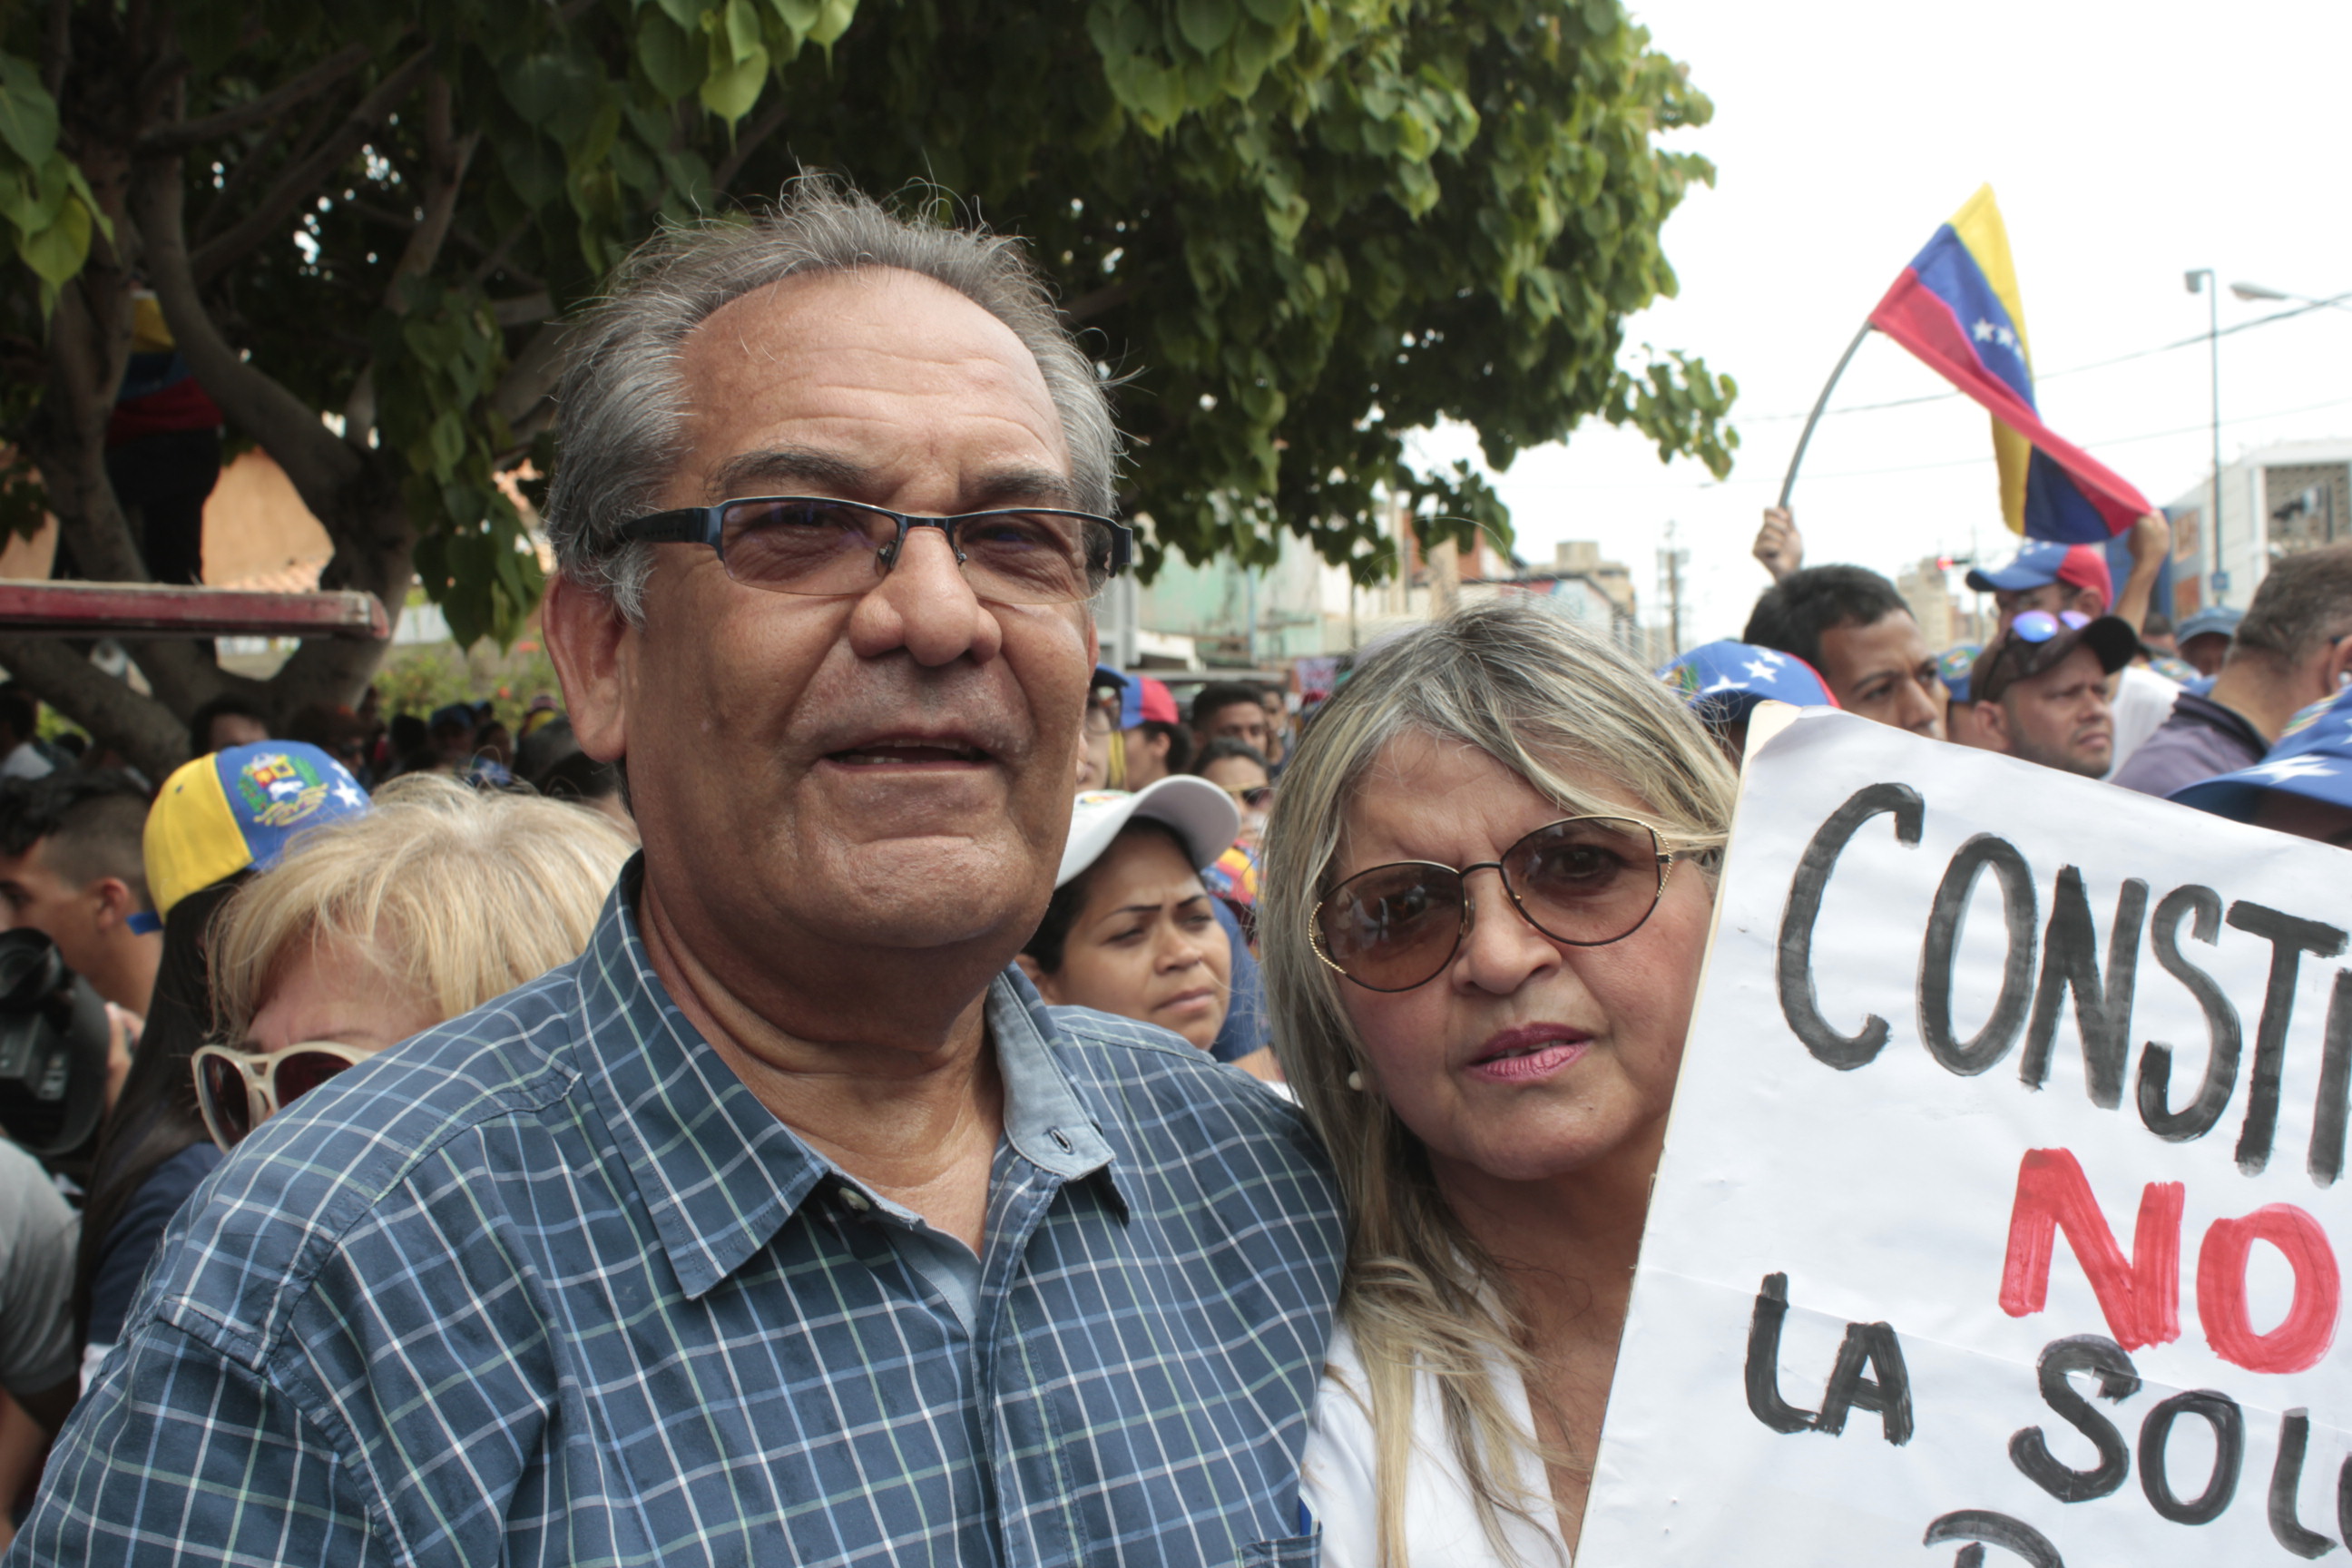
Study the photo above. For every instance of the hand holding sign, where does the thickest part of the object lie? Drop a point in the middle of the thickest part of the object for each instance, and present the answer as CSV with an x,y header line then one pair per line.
x,y
1996,1212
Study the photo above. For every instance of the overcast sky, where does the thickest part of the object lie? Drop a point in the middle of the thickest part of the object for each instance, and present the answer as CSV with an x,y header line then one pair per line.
x,y
2126,143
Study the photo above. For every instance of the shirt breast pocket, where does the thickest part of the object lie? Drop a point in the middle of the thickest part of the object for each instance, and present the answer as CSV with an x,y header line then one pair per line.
x,y
1290,1552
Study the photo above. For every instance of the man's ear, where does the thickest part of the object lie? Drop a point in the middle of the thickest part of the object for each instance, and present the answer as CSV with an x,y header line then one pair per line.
x,y
116,901
2338,665
1992,723
591,644
1038,976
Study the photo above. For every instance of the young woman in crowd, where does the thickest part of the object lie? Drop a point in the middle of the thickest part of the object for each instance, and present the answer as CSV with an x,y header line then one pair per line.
x,y
378,927
1488,889
1130,929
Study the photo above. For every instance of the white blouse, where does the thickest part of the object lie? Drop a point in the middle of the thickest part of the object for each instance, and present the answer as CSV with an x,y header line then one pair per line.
x,y
1441,1520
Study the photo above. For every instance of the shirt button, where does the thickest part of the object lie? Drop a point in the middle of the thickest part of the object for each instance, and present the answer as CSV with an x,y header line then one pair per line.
x,y
854,1201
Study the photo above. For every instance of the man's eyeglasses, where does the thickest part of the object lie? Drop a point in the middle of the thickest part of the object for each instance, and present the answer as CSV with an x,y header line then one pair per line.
x,y
827,548
237,1091
1586,881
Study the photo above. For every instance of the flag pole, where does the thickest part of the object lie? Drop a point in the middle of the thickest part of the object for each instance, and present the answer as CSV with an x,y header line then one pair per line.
x,y
1789,484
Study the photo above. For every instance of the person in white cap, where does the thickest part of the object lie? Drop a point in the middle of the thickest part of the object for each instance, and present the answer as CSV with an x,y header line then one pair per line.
x,y
1130,930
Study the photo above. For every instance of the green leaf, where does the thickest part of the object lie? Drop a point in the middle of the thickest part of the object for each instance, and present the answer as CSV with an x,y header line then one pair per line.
x,y
674,60
1273,12
1206,24
743,38
731,89
801,15
28,117
833,17
539,87
57,252
534,168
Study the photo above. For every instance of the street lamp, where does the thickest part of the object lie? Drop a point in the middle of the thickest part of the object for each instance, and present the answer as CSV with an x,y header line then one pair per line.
x,y
2263,291
2200,281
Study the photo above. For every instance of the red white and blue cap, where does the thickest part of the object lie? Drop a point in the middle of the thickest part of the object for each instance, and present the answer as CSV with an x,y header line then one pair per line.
x,y
1722,682
2313,759
2040,563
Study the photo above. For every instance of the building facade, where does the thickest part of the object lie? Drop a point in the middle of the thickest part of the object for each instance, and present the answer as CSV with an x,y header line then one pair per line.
x,y
2274,502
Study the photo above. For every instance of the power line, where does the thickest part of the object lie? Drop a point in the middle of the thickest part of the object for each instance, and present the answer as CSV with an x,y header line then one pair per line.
x,y
2071,370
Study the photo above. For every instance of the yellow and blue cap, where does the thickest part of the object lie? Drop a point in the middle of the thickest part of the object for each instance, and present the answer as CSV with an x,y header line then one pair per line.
x,y
230,810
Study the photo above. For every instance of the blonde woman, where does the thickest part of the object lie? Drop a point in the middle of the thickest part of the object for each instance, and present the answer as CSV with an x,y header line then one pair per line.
x,y
381,926
1487,887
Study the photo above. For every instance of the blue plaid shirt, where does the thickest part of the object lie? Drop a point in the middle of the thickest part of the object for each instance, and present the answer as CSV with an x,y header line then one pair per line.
x,y
548,1285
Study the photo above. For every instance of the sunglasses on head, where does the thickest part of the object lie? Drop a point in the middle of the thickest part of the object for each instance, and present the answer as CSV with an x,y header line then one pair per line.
x,y
237,1091
1585,882
2040,626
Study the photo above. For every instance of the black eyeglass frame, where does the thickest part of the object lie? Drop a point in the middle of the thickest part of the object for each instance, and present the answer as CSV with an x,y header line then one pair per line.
x,y
707,525
1666,861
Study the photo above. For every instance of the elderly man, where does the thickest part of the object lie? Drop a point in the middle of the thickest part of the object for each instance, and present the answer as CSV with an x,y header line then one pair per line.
x,y
786,1225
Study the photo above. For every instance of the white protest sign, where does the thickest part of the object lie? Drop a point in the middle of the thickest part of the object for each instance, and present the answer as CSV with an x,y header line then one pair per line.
x,y
1999,1215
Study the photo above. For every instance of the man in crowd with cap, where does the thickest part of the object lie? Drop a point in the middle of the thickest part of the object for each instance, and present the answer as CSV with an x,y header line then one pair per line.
x,y
71,867
2302,787
2060,579
2203,639
2040,691
1156,743
787,1224
2294,648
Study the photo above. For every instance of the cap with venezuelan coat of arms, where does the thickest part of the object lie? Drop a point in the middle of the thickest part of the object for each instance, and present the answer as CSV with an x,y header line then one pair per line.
x,y
230,810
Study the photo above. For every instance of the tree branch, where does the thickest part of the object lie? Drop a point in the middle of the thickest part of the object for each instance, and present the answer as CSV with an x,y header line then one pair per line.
x,y
531,378
749,142
56,46
183,135
1097,302
156,741
302,180
316,462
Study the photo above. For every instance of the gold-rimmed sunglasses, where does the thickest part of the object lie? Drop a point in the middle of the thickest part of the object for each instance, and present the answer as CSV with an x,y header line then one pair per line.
x,y
1584,881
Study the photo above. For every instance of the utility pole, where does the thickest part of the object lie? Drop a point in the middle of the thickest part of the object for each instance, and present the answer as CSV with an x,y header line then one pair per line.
x,y
1671,561
2202,281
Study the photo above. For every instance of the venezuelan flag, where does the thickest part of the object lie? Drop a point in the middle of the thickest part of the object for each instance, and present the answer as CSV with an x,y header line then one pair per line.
x,y
1955,307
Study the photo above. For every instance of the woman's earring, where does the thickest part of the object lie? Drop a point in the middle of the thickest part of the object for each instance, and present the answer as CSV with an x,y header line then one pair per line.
x,y
1356,1081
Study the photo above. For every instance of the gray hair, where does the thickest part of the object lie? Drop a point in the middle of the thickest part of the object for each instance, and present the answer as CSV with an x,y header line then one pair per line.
x,y
2304,601
623,403
1566,713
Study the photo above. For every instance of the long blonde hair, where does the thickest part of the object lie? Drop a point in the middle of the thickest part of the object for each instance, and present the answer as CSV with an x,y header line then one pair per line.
x,y
1560,708
457,894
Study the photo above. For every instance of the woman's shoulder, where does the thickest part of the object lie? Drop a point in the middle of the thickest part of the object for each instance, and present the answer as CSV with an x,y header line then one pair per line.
x,y
1338,1485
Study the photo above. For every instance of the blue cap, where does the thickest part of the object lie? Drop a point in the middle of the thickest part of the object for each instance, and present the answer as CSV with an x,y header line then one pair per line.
x,y
2313,759
218,815
1956,664
2211,618
2041,562
1722,682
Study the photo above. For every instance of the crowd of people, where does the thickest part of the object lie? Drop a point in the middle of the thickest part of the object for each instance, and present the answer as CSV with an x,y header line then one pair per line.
x,y
808,1133
2250,707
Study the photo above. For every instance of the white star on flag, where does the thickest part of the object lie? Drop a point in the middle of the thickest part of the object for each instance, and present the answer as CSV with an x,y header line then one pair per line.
x,y
1985,330
1762,670
1723,683
2006,338
350,794
2287,768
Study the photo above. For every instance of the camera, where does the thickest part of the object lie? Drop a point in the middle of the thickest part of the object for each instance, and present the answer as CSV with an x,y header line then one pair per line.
x,y
53,1039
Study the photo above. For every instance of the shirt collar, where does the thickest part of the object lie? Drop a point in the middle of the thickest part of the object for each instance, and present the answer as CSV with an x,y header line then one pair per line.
x,y
718,1173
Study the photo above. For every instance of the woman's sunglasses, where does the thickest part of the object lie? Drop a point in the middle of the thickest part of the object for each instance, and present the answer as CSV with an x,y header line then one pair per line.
x,y
237,1091
1257,797
1586,881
